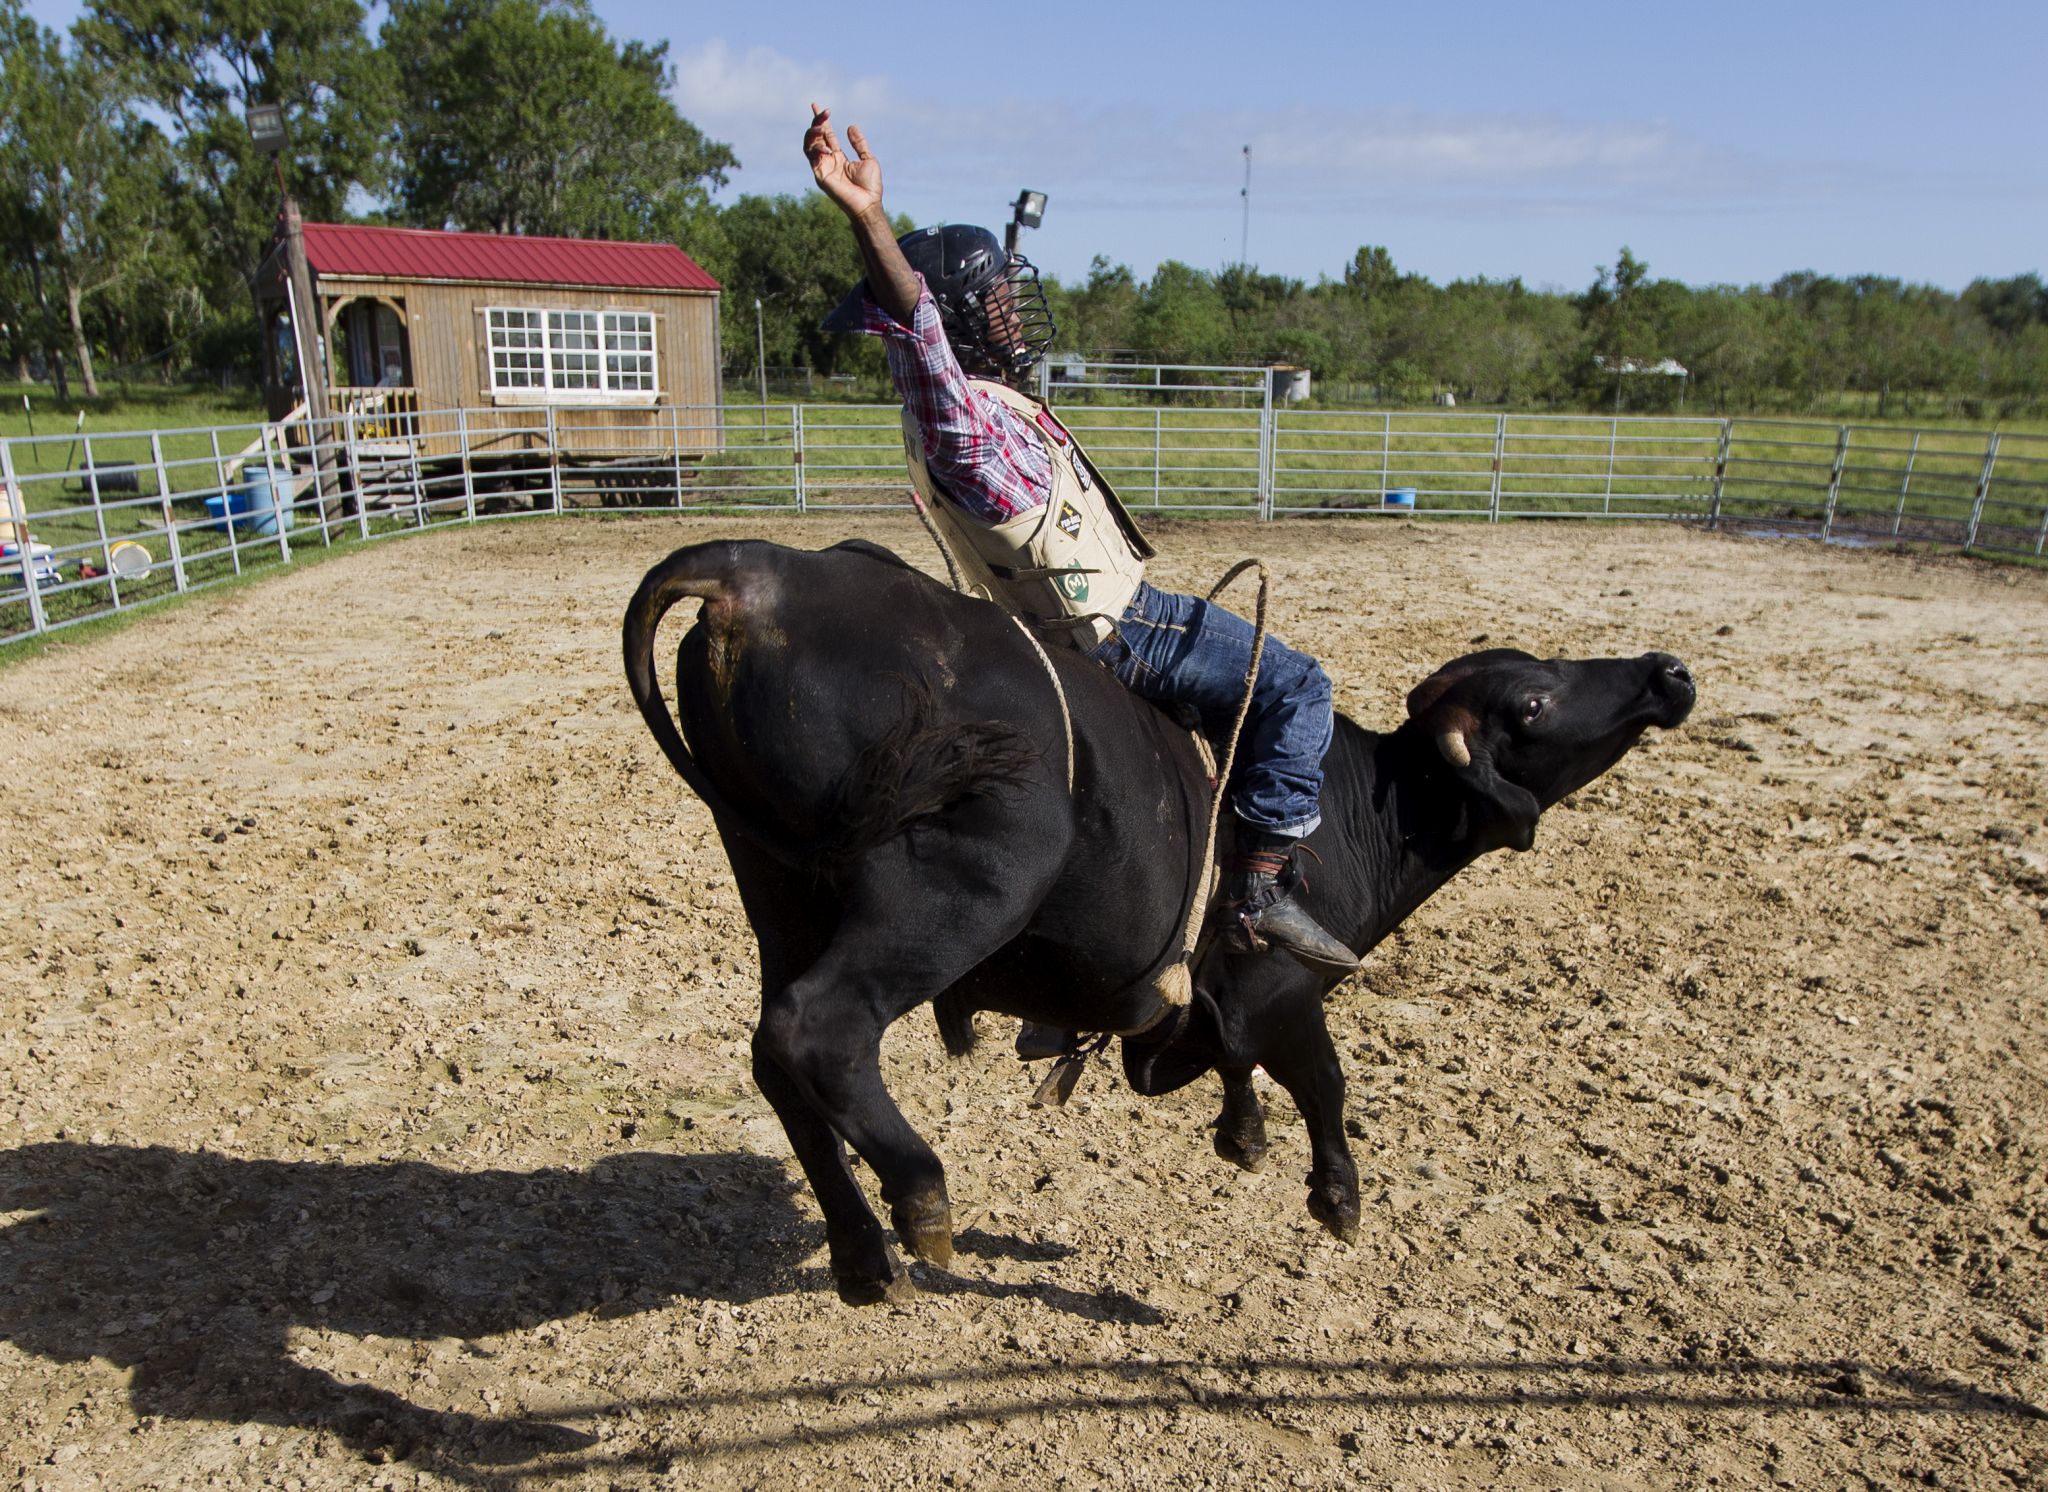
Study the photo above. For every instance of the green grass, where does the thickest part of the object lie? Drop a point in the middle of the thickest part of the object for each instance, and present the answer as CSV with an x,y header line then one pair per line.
x,y
1179,458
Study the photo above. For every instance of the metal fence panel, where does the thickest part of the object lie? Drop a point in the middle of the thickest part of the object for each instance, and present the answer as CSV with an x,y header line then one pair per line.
x,y
124,519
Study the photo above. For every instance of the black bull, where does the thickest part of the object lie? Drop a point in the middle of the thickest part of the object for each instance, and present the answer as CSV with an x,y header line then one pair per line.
x,y
887,765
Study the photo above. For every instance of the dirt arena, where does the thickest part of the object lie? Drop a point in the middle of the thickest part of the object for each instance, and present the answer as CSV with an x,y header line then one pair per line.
x,y
377,1111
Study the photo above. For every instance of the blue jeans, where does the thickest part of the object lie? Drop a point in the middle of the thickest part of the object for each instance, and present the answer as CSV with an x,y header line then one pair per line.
x,y
1180,650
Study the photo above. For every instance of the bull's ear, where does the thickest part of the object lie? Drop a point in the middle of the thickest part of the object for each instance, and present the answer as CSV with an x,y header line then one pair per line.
x,y
1504,813
1509,810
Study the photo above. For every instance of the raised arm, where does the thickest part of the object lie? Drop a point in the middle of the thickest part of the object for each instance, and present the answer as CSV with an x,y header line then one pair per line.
x,y
856,185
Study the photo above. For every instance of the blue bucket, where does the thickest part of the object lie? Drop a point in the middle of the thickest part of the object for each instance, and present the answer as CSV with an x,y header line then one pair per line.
x,y
253,505
1400,497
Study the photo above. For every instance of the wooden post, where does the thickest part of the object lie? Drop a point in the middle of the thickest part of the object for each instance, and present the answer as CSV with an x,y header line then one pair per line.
x,y
308,332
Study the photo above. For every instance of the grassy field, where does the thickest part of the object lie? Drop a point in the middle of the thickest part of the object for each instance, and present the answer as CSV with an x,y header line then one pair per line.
x,y
1894,481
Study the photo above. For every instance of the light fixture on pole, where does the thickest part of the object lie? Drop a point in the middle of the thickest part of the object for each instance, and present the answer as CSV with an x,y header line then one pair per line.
x,y
761,360
1245,238
1028,211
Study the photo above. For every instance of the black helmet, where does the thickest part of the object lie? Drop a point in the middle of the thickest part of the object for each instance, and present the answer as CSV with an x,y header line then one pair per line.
x,y
991,305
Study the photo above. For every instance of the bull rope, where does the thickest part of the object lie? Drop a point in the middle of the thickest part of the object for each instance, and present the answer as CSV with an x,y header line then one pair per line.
x,y
1177,982
1066,715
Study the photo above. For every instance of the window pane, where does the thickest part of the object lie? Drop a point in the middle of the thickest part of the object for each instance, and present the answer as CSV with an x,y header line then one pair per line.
x,y
629,351
517,350
573,351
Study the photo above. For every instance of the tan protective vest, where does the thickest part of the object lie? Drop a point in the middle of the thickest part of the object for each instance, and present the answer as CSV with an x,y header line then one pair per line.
x,y
1074,563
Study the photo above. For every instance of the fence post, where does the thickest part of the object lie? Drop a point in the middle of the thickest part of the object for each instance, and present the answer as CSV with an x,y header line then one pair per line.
x,y
355,475
1269,425
1899,514
1613,442
1983,486
462,454
1386,453
1500,447
25,552
99,519
675,455
281,505
1827,517
796,456
1720,473
554,460
412,463
163,498
92,485
227,515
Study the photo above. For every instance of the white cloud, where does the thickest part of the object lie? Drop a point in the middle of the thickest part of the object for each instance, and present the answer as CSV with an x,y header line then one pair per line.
x,y
758,101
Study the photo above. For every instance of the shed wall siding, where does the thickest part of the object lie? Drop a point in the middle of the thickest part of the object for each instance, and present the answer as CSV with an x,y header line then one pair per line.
x,y
450,346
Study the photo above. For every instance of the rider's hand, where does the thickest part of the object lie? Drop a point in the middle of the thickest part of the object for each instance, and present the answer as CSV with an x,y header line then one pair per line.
x,y
856,185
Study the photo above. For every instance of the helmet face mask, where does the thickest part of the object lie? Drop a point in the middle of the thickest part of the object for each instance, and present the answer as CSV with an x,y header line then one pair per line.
x,y
991,306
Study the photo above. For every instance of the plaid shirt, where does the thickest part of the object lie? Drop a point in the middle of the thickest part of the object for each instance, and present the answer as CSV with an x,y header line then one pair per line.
x,y
989,461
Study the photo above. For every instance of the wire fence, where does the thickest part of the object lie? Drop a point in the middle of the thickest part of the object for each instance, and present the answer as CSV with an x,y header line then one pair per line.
x,y
109,522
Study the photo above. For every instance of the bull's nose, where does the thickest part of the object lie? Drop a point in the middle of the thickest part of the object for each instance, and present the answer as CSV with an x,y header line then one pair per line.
x,y
1672,681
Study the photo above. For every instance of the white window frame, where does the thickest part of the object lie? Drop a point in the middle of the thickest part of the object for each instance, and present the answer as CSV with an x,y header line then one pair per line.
x,y
553,352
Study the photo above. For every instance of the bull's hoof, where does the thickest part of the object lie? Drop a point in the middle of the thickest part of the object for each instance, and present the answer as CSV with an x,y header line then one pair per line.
x,y
895,1290
925,1226
1245,1154
1336,1209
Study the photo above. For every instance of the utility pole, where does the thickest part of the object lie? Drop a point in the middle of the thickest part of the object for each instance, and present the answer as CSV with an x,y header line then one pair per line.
x,y
761,361
267,129
1244,241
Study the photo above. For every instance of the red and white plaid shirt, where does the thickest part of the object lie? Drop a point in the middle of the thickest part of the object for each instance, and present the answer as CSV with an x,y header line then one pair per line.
x,y
988,459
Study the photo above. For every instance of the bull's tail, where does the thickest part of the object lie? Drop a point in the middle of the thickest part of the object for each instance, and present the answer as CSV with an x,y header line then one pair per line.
x,y
704,571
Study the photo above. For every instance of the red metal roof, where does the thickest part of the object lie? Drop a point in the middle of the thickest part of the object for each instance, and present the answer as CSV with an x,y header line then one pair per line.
x,y
425,254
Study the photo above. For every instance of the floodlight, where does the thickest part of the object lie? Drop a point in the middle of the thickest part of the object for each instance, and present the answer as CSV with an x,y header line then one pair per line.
x,y
266,128
1030,208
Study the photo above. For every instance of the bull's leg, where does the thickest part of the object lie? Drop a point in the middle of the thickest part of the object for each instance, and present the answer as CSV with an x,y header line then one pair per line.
x,y
863,1264
916,917
793,918
1241,1127
1306,1066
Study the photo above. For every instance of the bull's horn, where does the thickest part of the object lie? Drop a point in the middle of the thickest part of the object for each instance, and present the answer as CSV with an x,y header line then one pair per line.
x,y
1452,744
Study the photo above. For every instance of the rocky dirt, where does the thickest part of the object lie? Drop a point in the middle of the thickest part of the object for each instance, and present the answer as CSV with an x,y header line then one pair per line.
x,y
375,1090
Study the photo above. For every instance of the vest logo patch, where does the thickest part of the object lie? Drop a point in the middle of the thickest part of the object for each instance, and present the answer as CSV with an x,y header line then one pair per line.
x,y
1069,520
1074,585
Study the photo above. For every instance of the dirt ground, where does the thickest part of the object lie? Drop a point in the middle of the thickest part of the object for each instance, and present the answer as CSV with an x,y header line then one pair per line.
x,y
375,1085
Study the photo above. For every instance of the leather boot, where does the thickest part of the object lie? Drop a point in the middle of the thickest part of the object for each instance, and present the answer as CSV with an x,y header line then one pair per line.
x,y
1260,908
1035,1042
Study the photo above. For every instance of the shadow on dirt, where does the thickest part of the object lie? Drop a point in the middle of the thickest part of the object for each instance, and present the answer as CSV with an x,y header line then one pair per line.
x,y
190,1269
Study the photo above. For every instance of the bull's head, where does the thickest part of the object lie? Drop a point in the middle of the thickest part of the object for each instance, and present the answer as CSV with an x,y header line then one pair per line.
x,y
1521,732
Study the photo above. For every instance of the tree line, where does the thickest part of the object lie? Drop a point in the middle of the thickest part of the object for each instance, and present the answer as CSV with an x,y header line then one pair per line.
x,y
135,213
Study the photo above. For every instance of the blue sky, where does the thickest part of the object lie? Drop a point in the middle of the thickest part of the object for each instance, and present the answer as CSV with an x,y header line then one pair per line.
x,y
1724,143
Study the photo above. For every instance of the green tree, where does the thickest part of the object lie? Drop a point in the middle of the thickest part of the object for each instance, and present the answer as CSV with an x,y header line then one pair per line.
x,y
1371,272
796,256
525,116
204,62
87,177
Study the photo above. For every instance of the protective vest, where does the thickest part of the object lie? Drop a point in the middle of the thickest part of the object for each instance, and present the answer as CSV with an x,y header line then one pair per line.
x,y
1073,564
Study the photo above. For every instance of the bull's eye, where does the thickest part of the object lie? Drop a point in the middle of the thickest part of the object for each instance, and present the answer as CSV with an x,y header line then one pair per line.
x,y
1532,709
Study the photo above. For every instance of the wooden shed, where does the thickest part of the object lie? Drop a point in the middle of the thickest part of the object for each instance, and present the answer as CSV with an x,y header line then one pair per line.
x,y
601,349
